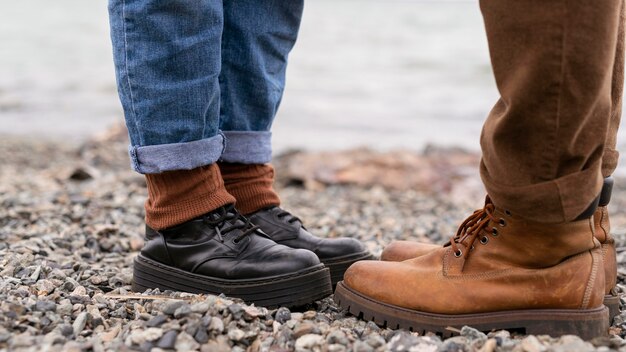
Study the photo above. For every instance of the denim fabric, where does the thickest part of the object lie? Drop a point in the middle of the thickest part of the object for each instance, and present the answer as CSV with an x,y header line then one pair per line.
x,y
247,147
171,71
258,36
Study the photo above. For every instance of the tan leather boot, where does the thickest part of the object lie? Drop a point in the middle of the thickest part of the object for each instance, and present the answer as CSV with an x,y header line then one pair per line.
x,y
498,272
398,251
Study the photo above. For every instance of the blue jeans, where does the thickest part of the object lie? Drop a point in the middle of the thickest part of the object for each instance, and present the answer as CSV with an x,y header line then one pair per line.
x,y
201,80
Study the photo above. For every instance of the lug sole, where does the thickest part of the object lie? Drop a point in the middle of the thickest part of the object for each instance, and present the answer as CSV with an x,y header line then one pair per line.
x,y
339,266
586,323
289,290
612,302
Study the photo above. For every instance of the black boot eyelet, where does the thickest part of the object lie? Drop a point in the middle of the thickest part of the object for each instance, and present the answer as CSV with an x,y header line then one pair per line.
x,y
484,240
458,253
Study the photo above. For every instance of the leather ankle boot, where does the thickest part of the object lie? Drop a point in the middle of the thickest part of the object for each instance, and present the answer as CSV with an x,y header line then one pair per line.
x,y
398,251
336,253
223,252
499,272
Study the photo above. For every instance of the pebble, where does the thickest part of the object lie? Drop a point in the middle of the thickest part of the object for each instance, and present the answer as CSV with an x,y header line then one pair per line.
x,y
80,322
184,343
308,342
282,315
45,306
168,340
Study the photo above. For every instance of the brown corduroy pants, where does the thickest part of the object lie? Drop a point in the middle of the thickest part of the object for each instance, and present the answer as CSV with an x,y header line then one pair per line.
x,y
551,138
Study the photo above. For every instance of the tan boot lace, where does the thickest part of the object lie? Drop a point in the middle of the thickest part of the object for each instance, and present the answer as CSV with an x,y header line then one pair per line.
x,y
472,227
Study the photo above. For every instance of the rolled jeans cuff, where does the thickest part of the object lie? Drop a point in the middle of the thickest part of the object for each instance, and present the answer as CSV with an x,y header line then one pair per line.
x,y
555,201
154,159
247,147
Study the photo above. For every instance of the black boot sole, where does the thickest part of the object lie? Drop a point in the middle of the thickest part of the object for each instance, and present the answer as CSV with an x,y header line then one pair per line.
x,y
289,290
338,266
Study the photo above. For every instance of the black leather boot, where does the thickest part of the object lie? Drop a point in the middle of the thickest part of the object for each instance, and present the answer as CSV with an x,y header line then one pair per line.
x,y
223,252
336,253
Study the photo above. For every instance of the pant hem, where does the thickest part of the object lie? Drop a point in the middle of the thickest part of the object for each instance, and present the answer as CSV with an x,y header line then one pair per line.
x,y
247,147
556,201
154,159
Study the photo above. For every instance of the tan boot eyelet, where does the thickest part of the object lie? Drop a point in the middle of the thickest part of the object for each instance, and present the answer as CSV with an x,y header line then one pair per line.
x,y
472,248
458,253
484,240
494,231
507,212
502,222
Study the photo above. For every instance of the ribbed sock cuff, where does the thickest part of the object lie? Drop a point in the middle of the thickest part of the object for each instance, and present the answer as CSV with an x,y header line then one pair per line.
x,y
175,197
251,185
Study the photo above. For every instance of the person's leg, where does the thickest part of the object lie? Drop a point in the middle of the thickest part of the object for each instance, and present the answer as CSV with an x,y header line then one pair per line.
x,y
258,36
405,250
532,246
544,140
168,61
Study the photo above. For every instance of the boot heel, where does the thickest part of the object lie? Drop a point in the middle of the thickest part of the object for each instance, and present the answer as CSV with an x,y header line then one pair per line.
x,y
612,302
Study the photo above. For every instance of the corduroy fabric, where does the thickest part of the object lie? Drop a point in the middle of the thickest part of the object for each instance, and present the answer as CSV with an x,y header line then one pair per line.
x,y
175,197
251,185
550,139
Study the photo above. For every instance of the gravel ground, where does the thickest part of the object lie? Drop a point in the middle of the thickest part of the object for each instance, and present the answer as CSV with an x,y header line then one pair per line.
x,y
71,223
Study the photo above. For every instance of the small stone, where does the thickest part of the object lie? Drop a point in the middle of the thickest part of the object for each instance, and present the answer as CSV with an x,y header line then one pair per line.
x,y
200,307
65,307
79,291
136,243
80,322
308,342
219,344
362,346
184,342
110,335
252,312
201,336
44,287
375,340
572,343
304,328
309,314
216,325
66,330
45,306
182,311
489,346
282,315
157,321
171,306
337,337
236,310
236,334
98,279
168,340
140,336
472,334
532,344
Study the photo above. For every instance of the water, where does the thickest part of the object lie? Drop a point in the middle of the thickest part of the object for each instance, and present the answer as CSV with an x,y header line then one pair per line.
x,y
383,74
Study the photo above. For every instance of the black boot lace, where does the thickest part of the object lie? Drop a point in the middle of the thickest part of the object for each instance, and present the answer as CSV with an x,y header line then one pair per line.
x,y
227,219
